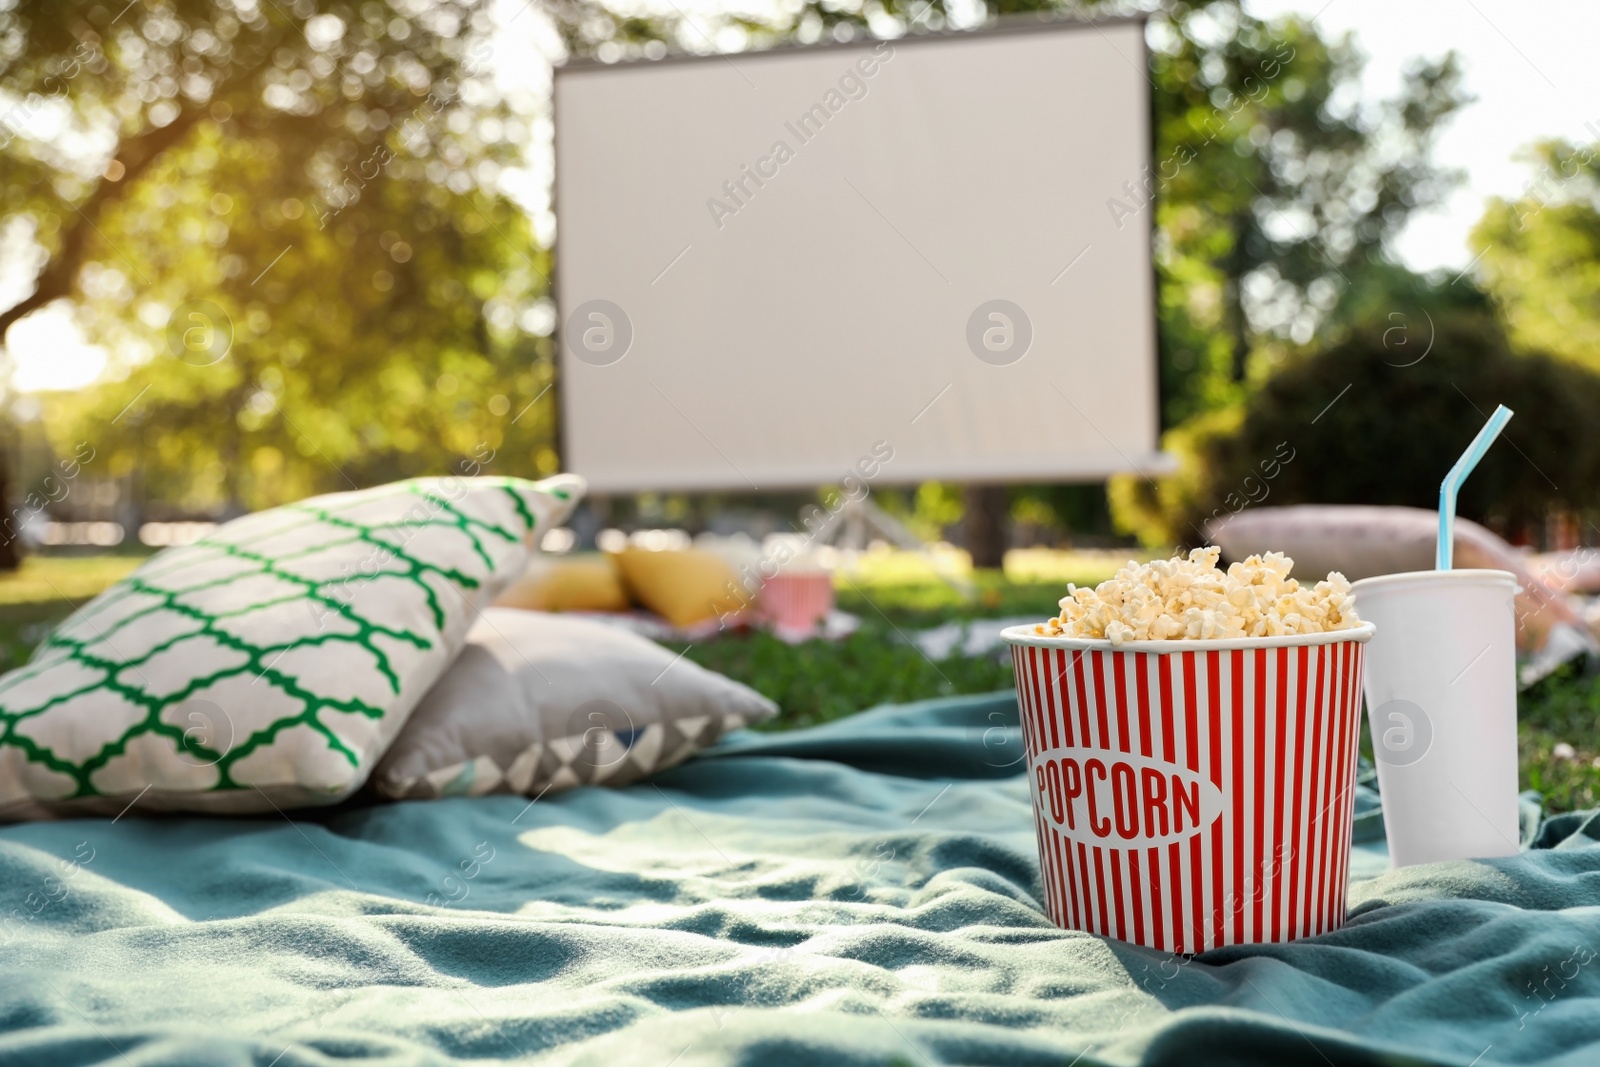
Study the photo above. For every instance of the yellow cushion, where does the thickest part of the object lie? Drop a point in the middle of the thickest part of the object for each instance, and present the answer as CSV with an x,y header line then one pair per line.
x,y
684,587
584,583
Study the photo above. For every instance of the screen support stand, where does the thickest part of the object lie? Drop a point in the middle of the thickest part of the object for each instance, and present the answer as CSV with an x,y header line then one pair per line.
x,y
857,523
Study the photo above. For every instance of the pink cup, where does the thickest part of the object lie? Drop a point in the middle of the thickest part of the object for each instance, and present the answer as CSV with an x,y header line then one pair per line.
x,y
1193,794
796,603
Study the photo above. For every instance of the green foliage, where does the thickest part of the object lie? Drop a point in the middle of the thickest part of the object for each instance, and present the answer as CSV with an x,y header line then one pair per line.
x,y
1391,295
1161,511
928,510
1540,254
938,505
1270,194
1379,419
323,176
323,180
1081,509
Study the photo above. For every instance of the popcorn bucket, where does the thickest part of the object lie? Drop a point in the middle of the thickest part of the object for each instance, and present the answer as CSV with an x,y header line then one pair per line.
x,y
1192,794
797,602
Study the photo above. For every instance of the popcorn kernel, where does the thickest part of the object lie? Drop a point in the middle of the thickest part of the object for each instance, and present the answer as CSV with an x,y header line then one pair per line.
x,y
1192,599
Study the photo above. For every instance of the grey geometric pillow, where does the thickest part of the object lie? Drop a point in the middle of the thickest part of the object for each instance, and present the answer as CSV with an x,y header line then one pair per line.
x,y
270,663
540,702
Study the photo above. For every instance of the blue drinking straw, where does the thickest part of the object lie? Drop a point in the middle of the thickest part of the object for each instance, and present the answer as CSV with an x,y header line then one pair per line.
x,y
1458,474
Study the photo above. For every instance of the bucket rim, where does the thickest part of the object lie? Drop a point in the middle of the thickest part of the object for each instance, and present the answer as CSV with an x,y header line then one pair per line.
x,y
1024,635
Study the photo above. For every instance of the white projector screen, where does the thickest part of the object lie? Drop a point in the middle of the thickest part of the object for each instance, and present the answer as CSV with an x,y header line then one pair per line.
x,y
774,266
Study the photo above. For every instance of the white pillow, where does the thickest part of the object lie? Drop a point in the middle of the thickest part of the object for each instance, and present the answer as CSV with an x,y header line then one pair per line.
x,y
541,702
270,663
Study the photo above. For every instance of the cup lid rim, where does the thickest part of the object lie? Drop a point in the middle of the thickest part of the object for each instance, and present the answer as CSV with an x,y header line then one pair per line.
x,y
1024,635
1467,574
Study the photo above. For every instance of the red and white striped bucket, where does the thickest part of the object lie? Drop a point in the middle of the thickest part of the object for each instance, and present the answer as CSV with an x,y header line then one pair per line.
x,y
797,602
1191,794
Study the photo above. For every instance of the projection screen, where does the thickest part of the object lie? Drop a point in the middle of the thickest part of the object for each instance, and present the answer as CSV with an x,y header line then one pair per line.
x,y
773,266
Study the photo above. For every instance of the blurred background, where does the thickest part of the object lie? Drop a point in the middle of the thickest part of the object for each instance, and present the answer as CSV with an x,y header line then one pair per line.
x,y
253,250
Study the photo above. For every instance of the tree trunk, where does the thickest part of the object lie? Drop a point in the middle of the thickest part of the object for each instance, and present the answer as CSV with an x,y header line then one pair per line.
x,y
590,517
10,543
985,524
1238,326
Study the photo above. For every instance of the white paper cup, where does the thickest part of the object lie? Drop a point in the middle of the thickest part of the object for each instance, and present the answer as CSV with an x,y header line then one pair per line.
x,y
1192,794
1442,704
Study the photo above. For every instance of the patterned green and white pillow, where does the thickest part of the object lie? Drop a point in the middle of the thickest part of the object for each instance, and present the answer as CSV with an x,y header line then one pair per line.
x,y
271,663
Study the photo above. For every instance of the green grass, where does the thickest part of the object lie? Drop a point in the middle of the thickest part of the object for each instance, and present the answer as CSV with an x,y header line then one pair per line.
x,y
43,591
50,580
1564,708
819,681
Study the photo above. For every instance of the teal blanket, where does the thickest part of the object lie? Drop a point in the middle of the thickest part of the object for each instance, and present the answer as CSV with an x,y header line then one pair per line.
x,y
861,893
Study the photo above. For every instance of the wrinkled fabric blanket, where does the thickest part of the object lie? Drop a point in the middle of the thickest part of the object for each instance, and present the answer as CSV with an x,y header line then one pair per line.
x,y
861,893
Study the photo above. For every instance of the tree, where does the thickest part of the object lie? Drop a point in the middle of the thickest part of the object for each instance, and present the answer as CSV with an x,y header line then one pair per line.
x,y
1378,419
283,220
1539,254
1280,196
315,182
